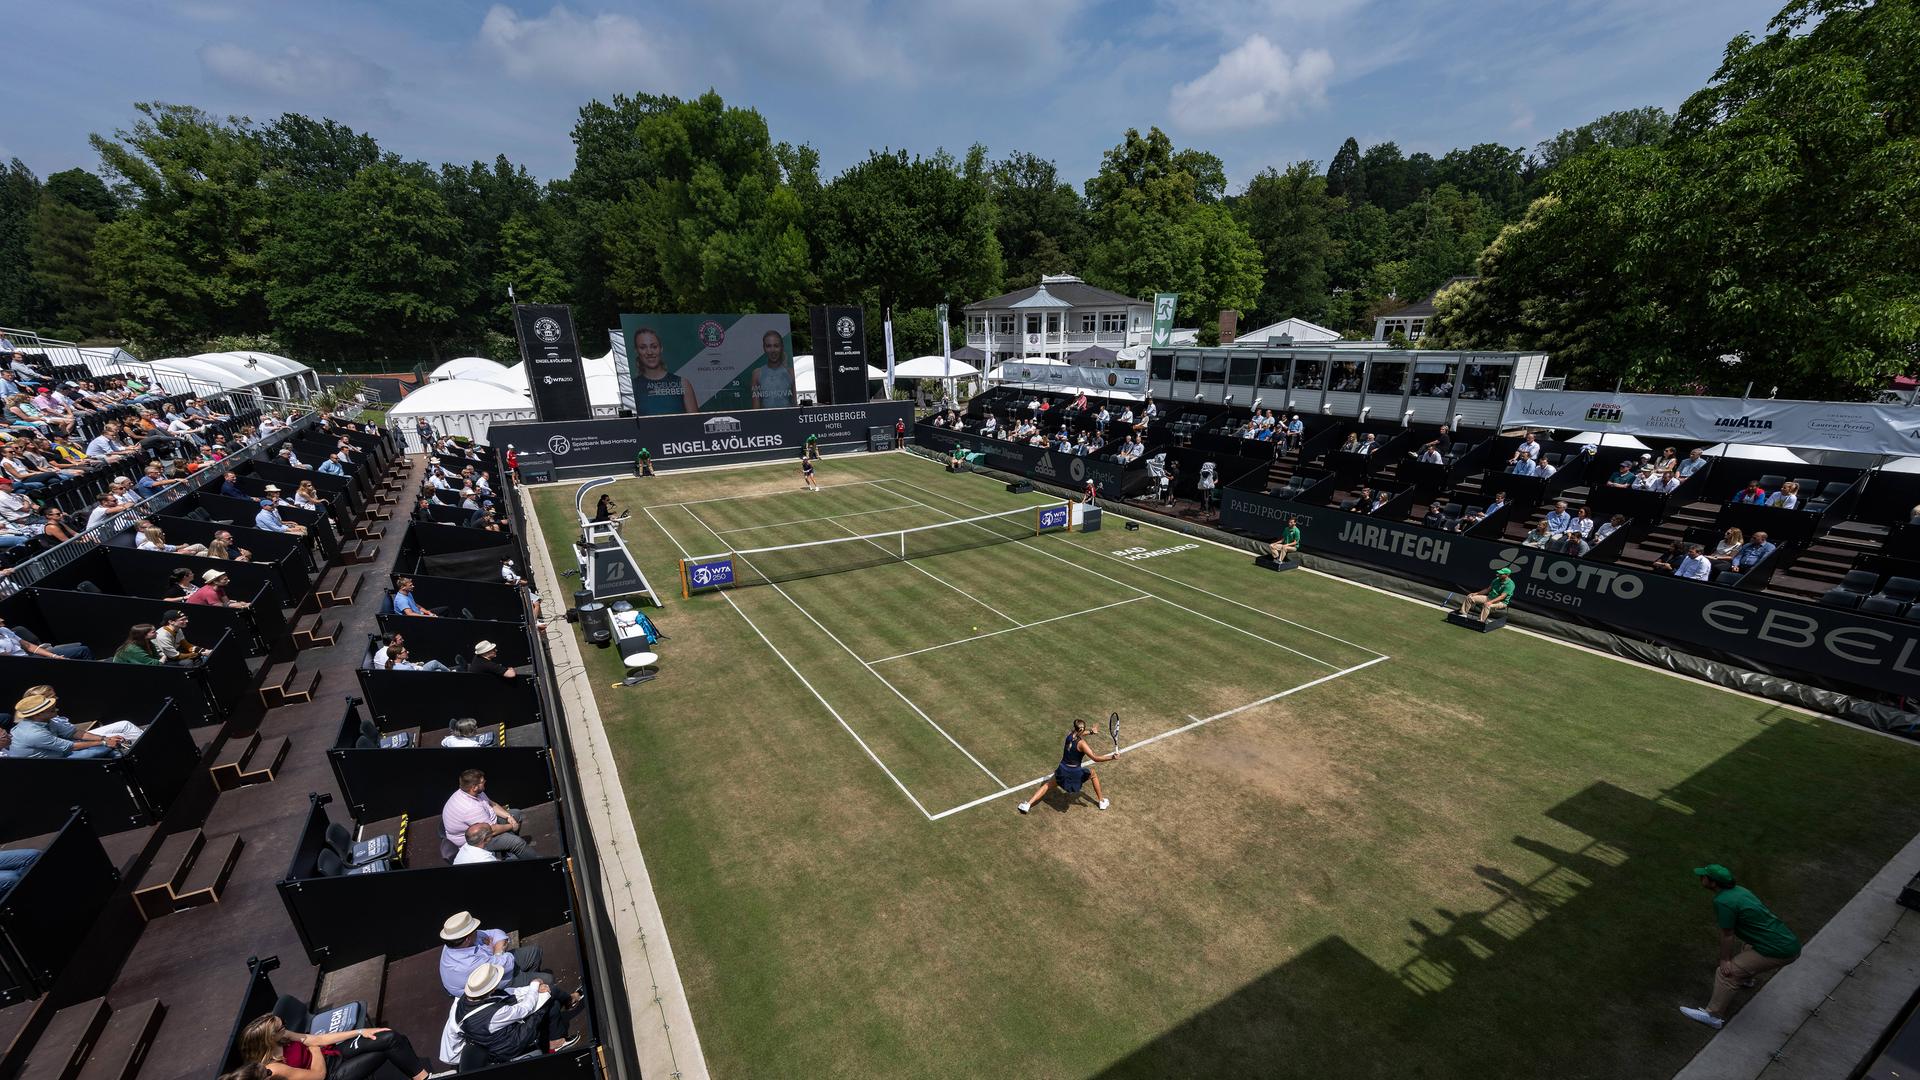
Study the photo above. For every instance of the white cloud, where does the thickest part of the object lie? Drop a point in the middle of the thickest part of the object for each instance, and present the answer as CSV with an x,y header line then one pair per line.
x,y
294,72
604,51
1253,85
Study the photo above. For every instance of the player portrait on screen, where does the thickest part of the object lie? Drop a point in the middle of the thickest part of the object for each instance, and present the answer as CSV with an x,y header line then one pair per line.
x,y
656,390
772,374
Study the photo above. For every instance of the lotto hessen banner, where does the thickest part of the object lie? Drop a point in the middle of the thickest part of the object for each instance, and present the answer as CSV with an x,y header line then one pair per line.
x,y
1773,633
709,363
1163,307
552,358
697,439
839,354
1075,377
1814,425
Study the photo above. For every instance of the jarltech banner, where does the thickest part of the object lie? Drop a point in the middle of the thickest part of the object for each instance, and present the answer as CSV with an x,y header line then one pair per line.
x,y
555,373
1813,425
709,363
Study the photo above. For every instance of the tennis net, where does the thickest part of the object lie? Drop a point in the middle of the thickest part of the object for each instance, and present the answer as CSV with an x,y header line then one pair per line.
x,y
788,562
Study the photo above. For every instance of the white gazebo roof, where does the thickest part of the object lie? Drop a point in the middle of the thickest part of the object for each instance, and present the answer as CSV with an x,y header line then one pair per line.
x,y
1300,330
466,366
1752,452
459,396
934,367
1041,298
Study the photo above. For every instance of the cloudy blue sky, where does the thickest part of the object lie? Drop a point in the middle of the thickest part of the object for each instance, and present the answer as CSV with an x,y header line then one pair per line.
x,y
1260,82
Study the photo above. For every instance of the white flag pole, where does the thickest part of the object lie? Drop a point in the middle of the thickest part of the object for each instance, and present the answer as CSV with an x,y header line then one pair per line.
x,y
946,354
887,333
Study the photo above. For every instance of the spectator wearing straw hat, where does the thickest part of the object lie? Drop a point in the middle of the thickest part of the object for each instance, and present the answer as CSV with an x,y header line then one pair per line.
x,y
467,946
269,517
491,1024
486,661
1754,943
40,732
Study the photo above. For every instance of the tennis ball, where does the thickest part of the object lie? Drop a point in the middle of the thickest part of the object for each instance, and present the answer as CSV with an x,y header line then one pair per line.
x,y
976,628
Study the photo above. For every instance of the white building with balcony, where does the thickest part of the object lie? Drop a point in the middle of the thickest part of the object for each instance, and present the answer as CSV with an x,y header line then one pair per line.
x,y
1062,318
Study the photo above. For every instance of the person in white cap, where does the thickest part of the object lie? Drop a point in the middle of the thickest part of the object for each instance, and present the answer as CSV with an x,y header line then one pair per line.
x,y
466,947
490,1024
213,591
486,661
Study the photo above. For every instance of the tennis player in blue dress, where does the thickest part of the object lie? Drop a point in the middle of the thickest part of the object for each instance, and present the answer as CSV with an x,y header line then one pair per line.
x,y
806,472
1070,773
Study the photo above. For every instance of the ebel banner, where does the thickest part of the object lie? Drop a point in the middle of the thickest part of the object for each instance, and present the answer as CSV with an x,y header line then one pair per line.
x,y
552,357
1075,377
709,363
1038,463
1813,425
1164,304
696,439
1776,634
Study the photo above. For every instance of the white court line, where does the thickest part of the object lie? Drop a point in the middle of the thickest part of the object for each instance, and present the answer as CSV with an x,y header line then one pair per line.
x,y
1150,740
824,517
831,711
761,495
870,668
1138,589
1163,577
930,573
1010,629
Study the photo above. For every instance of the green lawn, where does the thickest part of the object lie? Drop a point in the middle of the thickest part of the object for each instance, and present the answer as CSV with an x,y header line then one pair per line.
x,y
1368,844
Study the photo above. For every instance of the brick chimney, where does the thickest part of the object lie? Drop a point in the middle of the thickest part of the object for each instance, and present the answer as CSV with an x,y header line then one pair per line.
x,y
1229,326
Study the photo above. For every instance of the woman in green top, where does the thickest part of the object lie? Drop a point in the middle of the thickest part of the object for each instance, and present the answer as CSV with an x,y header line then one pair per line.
x,y
138,648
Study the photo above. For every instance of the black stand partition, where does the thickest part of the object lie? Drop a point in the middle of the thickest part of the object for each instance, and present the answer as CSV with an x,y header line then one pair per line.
x,y
339,491
120,793
292,553
320,527
45,919
380,783
444,639
402,699
354,917
129,573
497,602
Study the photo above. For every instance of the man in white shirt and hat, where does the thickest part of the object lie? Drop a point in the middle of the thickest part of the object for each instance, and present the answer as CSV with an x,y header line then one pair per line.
x,y
501,1023
466,947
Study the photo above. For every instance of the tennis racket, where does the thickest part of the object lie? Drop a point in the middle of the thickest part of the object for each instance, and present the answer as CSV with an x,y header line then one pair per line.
x,y
1113,730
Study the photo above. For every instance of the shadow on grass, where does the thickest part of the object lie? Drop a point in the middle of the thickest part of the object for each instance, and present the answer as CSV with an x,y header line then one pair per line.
x,y
1575,970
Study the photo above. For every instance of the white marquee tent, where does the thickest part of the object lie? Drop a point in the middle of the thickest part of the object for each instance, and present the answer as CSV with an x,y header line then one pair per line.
x,y
934,367
460,407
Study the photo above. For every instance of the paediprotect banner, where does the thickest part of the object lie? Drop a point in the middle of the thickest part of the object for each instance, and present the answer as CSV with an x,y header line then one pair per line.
x,y
709,363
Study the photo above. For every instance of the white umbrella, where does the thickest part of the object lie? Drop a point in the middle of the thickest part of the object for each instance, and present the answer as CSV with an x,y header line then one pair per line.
x,y
1752,452
934,367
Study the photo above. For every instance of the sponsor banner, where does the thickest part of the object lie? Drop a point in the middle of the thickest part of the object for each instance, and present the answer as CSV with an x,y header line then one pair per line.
x,y
1064,470
839,354
1055,517
709,363
1075,377
1163,307
1813,425
710,575
552,356
673,439
1828,643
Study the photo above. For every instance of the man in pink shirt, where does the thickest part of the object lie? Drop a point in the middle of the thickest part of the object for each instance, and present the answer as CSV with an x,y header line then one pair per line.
x,y
469,805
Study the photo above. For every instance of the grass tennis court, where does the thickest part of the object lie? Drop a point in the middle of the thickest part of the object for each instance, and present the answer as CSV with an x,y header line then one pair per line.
x,y
1347,839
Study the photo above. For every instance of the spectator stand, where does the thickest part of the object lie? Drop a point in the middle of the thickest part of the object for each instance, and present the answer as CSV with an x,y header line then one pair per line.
x,y
446,640
378,777
100,621
119,572
402,699
131,791
70,884
290,556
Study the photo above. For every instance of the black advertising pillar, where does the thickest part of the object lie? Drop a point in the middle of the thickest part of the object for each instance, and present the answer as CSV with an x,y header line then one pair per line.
x,y
839,355
554,372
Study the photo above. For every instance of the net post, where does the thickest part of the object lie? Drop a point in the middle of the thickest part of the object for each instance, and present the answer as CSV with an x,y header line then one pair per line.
x,y
686,590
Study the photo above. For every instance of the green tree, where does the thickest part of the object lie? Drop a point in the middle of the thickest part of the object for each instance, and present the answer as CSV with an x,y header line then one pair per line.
x,y
1493,172
1438,236
83,191
526,263
1157,232
19,201
1773,224
1647,126
183,263
73,306
908,232
368,271
1289,217
1391,179
1038,219
1346,177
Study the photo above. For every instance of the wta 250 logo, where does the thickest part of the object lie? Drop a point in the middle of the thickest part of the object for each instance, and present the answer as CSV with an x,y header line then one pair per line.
x,y
712,335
